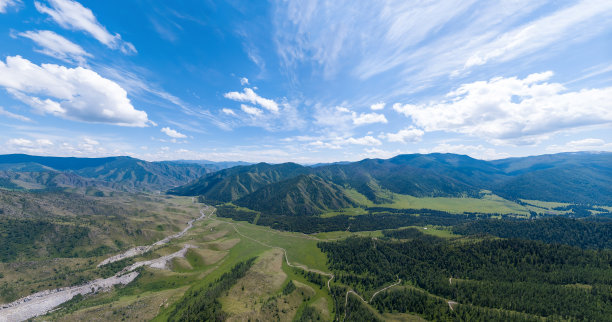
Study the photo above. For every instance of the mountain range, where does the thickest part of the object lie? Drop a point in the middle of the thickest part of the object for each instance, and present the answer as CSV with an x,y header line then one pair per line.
x,y
118,173
581,177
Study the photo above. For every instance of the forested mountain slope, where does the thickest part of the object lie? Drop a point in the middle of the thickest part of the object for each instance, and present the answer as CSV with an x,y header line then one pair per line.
x,y
234,183
584,177
302,195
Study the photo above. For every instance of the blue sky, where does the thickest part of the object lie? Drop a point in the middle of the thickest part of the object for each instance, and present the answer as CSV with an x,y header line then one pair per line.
x,y
304,81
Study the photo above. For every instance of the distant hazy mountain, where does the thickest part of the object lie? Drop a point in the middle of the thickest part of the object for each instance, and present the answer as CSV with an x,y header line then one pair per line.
x,y
217,165
124,173
567,177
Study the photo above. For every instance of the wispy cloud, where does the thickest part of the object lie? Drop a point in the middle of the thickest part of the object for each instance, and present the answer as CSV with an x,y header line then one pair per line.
x,y
4,4
416,44
72,15
13,115
57,46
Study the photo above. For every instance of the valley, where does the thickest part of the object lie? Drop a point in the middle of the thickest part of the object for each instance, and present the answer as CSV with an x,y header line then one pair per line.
x,y
300,248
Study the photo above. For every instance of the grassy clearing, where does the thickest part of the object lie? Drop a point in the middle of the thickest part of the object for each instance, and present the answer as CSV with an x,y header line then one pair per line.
x,y
300,248
246,298
309,299
403,317
545,204
333,235
441,232
358,197
356,211
487,204
545,207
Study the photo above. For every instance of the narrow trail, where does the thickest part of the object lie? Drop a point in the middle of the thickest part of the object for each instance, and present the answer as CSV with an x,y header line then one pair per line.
x,y
43,302
399,280
330,275
362,299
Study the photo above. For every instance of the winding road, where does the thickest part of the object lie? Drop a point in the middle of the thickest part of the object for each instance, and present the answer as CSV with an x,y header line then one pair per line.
x,y
330,275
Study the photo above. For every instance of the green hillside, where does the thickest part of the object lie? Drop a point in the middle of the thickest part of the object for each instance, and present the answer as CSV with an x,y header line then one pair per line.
x,y
234,183
304,195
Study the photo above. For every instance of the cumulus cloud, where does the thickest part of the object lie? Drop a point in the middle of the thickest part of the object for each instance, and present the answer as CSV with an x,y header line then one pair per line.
x,y
248,95
251,110
244,81
73,93
378,106
366,140
173,133
368,118
4,4
410,134
28,146
56,46
72,15
513,110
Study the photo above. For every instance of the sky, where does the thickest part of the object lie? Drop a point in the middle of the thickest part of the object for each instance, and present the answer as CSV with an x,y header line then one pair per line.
x,y
304,81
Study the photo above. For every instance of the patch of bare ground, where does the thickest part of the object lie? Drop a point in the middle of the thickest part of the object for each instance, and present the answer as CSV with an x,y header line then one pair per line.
x,y
224,244
137,308
321,306
402,317
209,256
246,298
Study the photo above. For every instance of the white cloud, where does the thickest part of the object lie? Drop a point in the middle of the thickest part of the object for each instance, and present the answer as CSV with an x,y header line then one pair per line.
x,y
542,32
13,115
474,151
366,140
406,135
4,4
419,44
378,106
325,145
368,118
72,15
244,81
56,46
29,146
90,141
228,111
589,144
73,93
251,110
173,133
513,110
379,154
250,96
337,118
